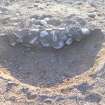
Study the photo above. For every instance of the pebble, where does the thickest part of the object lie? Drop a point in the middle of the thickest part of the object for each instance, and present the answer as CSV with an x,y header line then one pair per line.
x,y
44,39
43,34
84,87
93,97
43,22
10,85
48,101
31,96
24,90
47,19
76,33
42,98
59,45
45,44
92,3
13,44
85,31
92,15
33,40
54,36
69,41
78,3
59,99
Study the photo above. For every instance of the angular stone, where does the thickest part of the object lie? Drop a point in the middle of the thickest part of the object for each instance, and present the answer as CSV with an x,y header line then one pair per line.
x,y
69,41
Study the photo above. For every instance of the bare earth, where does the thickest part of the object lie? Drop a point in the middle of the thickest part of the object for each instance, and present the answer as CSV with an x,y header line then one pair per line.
x,y
74,75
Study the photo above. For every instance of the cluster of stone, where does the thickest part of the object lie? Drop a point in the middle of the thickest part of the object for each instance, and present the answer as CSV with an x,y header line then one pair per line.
x,y
47,34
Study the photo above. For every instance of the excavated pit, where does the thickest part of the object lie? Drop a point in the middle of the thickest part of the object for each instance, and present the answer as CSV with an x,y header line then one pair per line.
x,y
71,75
45,66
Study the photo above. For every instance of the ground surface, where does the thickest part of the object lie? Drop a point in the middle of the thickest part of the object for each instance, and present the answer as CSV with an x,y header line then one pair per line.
x,y
74,75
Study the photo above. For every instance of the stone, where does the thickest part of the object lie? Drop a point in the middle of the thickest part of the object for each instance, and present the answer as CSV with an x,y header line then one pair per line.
x,y
92,3
92,15
43,34
83,87
59,45
54,36
85,31
32,41
93,97
10,85
31,96
48,101
43,22
76,33
69,41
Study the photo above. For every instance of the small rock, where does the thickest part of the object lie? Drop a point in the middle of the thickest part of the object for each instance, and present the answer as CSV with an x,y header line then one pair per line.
x,y
69,41
85,31
83,87
54,36
44,39
92,15
10,85
43,34
48,101
13,44
60,99
24,90
94,97
92,3
32,41
44,42
41,98
46,19
59,45
31,95
78,3
43,22
76,33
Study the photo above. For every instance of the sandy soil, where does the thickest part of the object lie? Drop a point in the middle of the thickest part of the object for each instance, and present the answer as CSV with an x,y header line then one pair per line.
x,y
74,75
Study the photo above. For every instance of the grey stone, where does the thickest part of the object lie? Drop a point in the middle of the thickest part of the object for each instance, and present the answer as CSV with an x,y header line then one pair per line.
x,y
44,39
10,85
32,41
58,45
85,31
76,33
92,3
48,101
54,36
92,15
31,96
83,87
69,41
43,22
93,97
43,34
